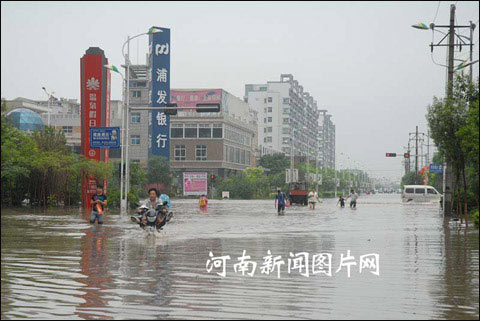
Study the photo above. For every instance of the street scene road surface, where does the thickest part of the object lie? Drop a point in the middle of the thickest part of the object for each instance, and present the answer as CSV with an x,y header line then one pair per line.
x,y
55,265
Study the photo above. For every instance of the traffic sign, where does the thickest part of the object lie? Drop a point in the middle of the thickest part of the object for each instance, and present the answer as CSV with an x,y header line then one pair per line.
x,y
436,168
104,137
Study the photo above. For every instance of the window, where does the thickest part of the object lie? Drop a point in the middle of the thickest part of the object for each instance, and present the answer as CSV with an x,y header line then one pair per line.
x,y
237,155
217,131
264,120
180,153
286,100
135,117
268,139
286,140
205,131
265,110
431,191
409,190
136,94
270,99
286,110
138,84
135,139
248,158
285,130
177,131
191,131
269,119
265,130
67,130
286,120
230,154
419,191
269,129
201,152
243,157
270,109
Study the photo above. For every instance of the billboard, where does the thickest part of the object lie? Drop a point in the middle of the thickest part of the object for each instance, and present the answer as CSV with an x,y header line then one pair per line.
x,y
190,98
159,92
95,111
104,137
194,183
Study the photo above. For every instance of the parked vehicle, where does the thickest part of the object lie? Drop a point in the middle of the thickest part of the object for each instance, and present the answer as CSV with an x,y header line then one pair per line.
x,y
420,193
298,193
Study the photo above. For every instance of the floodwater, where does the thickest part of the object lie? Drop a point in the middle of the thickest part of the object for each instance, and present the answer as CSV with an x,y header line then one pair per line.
x,y
54,265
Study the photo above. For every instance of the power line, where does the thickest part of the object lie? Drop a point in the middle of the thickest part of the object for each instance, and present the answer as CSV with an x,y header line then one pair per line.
x,y
436,13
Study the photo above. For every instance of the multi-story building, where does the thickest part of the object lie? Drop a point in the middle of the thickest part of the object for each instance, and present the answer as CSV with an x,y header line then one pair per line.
x,y
288,117
218,143
326,135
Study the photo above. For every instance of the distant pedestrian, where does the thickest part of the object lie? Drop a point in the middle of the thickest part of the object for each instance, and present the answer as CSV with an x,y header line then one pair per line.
x,y
353,199
203,202
341,200
98,202
312,199
280,199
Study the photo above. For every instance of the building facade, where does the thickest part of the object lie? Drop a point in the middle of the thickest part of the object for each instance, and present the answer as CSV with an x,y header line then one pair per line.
x,y
326,139
218,143
64,115
288,117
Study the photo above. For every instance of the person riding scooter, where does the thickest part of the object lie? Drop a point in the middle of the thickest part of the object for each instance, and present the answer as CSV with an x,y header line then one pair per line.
x,y
154,212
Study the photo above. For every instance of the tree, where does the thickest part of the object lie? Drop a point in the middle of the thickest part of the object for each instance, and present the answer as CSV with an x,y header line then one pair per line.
x,y
453,123
276,163
158,171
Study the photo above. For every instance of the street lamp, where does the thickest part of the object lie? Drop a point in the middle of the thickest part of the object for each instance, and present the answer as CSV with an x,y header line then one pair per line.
x,y
50,95
126,56
123,200
420,26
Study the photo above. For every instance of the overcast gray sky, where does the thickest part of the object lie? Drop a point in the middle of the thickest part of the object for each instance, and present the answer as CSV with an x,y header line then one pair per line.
x,y
360,60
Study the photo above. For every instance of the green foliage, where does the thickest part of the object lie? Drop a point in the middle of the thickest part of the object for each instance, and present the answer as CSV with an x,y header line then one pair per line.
x,y
138,177
276,163
474,217
411,179
41,168
158,172
238,185
454,124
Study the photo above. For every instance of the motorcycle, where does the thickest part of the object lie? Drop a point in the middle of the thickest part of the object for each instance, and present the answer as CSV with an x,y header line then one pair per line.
x,y
152,218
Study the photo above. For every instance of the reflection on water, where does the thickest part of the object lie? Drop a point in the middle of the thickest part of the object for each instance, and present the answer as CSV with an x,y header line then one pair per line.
x,y
55,265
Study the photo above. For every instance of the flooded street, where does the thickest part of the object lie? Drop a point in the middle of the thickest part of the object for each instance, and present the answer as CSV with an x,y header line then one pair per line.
x,y
55,265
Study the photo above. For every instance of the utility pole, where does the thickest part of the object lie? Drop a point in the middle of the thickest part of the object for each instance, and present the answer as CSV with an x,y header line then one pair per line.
x,y
451,52
408,151
428,147
416,151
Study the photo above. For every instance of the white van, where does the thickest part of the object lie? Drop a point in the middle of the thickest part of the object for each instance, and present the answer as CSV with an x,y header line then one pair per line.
x,y
420,193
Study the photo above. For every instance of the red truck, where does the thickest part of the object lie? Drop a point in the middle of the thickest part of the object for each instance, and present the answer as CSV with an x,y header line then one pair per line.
x,y
298,193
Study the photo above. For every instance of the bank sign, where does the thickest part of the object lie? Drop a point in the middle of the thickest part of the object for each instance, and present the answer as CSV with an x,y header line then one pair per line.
x,y
159,93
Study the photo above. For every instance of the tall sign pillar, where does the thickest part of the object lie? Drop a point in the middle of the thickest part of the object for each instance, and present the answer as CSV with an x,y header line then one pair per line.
x,y
159,92
95,112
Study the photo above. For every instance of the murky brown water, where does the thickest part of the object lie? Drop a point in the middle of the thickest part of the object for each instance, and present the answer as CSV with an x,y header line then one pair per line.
x,y
55,265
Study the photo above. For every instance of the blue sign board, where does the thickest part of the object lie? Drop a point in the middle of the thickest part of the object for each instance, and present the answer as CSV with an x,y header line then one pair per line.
x,y
159,93
436,168
104,137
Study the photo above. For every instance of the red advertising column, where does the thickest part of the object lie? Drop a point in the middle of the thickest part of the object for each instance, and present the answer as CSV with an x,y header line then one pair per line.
x,y
95,112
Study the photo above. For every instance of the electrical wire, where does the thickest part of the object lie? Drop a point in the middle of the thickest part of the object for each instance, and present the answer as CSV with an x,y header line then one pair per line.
x,y
436,13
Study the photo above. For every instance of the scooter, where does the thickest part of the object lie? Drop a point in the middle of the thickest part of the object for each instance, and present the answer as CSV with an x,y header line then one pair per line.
x,y
153,219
